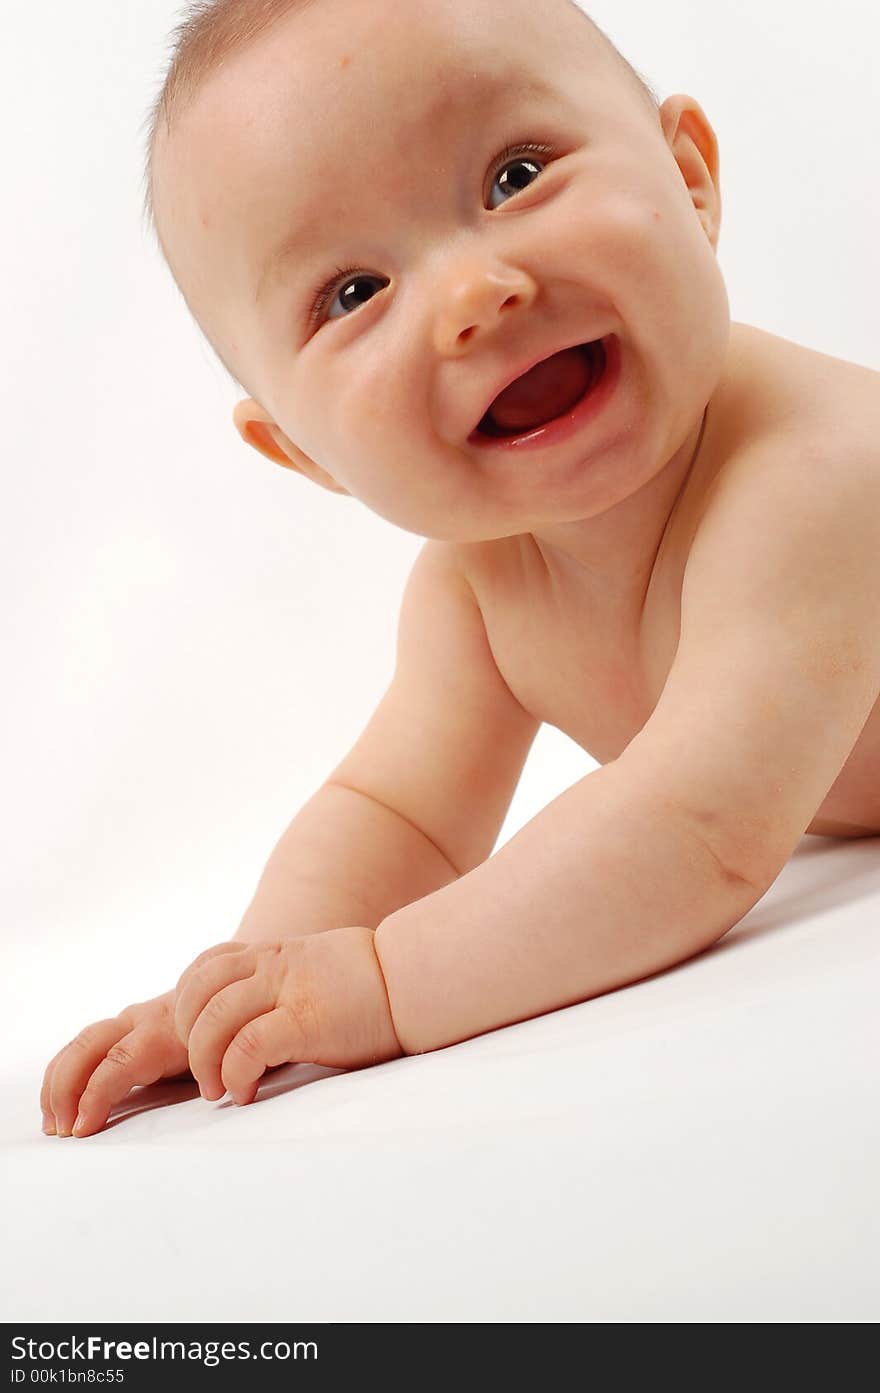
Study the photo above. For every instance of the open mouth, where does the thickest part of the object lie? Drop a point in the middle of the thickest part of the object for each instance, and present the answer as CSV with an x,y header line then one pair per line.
x,y
548,391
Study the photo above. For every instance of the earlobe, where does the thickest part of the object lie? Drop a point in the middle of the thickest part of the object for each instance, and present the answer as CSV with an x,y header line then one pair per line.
x,y
257,429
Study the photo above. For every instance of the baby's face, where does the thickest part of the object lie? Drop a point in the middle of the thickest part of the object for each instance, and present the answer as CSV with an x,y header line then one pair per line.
x,y
351,214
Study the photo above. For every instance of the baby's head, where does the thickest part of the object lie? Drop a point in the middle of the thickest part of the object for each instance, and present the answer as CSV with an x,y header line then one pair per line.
x,y
378,214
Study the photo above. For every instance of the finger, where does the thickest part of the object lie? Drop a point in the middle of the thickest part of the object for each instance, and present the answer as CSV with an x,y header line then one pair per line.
x,y
74,1065
199,983
140,1057
268,1040
49,1121
209,953
228,1012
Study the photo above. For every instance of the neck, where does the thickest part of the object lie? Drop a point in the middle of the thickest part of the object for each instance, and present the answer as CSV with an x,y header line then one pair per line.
x,y
614,554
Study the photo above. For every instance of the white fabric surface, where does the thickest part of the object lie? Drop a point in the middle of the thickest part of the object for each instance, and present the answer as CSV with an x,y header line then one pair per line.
x,y
702,1146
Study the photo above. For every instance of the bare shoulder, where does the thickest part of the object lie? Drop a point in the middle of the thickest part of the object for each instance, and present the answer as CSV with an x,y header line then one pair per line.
x,y
780,383
788,533
798,425
797,481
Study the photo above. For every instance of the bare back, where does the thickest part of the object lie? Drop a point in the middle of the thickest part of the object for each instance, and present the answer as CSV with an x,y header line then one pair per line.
x,y
598,677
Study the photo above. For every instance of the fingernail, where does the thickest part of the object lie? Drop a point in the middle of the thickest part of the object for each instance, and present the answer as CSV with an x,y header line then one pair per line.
x,y
48,1125
79,1124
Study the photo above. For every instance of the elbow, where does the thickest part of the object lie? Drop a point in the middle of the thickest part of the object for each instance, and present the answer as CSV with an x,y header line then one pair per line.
x,y
746,859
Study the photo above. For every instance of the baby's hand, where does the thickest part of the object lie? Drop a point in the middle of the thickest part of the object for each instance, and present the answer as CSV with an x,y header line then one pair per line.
x,y
105,1061
243,1007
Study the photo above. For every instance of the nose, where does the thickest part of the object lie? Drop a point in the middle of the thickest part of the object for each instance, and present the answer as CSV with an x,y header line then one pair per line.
x,y
473,294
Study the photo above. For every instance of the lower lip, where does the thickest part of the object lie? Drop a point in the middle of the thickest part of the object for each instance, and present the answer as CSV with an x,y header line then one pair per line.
x,y
561,428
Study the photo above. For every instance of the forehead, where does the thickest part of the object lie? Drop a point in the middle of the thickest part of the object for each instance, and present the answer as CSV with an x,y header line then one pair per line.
x,y
341,74
313,113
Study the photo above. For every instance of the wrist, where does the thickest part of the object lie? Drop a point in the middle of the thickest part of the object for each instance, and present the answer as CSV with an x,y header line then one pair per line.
x,y
388,1045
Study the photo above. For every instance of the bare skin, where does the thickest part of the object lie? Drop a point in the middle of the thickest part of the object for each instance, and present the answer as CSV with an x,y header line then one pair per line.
x,y
576,554
136,1047
615,235
596,671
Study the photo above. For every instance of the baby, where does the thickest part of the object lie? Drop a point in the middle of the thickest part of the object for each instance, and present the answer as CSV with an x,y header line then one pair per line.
x,y
464,266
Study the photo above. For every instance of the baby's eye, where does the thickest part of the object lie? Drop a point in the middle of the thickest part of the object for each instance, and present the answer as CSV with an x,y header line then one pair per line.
x,y
347,289
518,169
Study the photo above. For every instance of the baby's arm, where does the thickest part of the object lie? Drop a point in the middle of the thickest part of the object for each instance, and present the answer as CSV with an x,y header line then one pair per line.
x,y
440,760
355,852
650,859
639,865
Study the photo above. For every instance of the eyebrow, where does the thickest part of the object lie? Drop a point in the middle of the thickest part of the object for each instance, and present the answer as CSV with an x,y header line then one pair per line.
x,y
507,86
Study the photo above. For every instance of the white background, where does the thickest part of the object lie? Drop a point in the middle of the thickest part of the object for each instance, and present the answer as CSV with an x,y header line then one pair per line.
x,y
192,637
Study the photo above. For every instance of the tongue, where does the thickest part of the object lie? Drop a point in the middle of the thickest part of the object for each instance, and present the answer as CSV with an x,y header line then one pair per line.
x,y
546,391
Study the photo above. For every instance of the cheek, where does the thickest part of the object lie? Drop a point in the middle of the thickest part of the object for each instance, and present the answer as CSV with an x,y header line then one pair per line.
x,y
649,243
360,419
613,234
340,396
378,397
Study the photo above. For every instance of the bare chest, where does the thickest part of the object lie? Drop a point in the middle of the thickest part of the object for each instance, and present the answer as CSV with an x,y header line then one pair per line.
x,y
599,682
569,669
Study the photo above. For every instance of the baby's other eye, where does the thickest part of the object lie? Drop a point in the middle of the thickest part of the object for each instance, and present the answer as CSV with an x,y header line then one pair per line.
x,y
510,165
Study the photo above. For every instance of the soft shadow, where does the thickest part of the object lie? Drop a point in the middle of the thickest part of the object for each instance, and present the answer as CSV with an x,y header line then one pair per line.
x,y
286,1078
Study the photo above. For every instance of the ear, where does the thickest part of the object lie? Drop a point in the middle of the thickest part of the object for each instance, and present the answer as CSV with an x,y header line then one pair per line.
x,y
695,147
257,428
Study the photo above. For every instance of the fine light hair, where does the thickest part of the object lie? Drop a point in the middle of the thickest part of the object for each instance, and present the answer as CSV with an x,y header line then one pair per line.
x,y
211,31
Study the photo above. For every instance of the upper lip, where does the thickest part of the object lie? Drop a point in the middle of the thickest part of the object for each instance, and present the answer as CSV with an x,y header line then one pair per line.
x,y
526,366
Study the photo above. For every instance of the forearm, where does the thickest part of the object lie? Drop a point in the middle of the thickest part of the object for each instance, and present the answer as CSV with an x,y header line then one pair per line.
x,y
602,888
344,860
